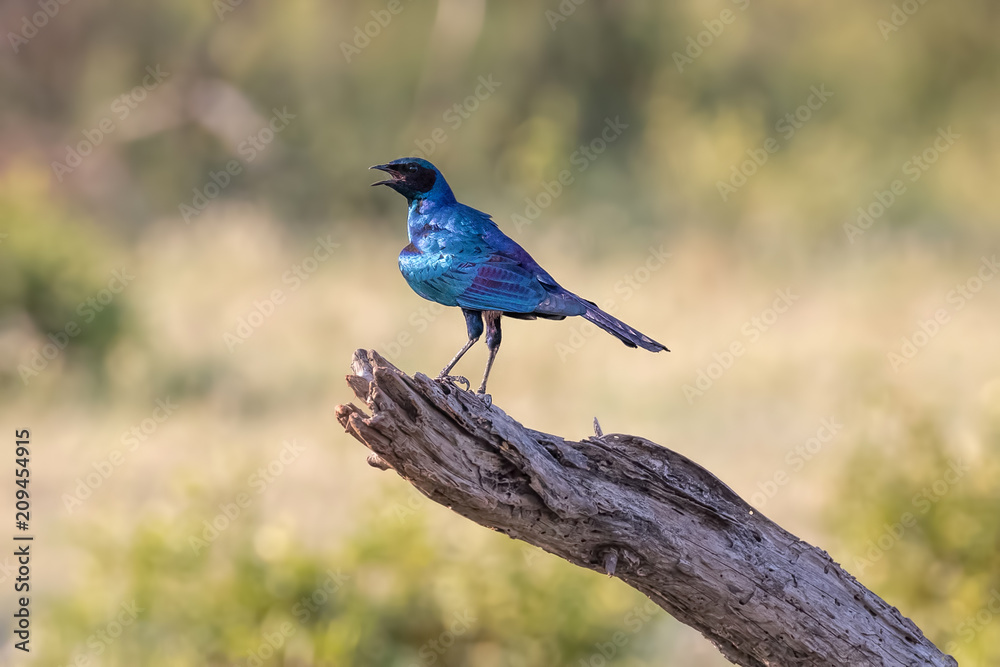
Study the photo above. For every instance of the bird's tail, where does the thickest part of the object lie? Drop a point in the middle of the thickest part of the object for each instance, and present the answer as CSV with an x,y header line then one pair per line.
x,y
620,330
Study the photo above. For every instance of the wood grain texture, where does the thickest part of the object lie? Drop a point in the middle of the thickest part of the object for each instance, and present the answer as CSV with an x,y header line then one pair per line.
x,y
625,506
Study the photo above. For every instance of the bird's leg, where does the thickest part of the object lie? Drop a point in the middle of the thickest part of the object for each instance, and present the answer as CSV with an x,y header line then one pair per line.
x,y
474,324
493,343
451,364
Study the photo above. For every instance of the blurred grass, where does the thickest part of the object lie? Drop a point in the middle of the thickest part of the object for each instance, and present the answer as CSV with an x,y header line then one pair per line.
x,y
52,278
167,337
912,517
824,358
686,129
396,593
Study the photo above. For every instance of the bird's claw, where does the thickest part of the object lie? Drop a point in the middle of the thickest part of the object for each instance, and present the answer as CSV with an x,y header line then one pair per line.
x,y
487,399
457,379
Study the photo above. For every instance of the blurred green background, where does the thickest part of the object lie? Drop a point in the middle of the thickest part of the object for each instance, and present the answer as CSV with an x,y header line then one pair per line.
x,y
190,252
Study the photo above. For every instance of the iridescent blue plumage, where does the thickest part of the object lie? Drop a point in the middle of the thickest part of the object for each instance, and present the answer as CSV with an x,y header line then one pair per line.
x,y
457,256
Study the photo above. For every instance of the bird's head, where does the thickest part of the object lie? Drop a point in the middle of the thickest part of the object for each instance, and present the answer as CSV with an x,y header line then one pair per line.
x,y
415,178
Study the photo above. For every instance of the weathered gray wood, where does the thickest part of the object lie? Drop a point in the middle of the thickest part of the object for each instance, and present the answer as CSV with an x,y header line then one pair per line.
x,y
628,507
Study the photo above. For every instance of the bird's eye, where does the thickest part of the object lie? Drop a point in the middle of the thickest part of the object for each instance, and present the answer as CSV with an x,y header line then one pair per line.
x,y
411,168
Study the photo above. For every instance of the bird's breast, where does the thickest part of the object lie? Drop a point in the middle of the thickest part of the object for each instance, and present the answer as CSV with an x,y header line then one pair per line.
x,y
427,274
418,266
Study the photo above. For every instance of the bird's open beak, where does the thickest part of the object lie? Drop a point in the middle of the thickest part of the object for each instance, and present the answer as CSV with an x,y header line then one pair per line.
x,y
387,169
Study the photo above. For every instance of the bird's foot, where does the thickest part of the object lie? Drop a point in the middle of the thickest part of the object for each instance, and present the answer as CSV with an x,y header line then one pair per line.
x,y
457,379
486,398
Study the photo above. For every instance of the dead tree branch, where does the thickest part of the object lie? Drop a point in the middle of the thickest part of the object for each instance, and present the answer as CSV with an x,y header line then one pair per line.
x,y
628,507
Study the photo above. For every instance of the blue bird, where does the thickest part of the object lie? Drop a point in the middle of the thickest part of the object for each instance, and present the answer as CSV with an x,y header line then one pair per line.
x,y
457,256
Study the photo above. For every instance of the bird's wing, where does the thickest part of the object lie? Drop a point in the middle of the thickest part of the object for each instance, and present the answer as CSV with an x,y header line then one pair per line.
x,y
479,267
513,277
501,283
501,244
468,272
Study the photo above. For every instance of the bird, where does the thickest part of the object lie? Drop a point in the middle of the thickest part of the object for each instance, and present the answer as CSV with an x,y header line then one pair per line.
x,y
458,256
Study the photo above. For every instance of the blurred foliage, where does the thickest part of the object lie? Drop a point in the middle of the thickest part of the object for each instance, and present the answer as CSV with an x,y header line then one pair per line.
x,y
360,86
915,517
365,86
54,269
396,596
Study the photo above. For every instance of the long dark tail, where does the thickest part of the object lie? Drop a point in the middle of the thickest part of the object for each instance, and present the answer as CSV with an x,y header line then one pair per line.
x,y
620,330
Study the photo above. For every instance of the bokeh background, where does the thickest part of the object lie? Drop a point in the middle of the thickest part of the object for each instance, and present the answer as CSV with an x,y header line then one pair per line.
x,y
190,253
